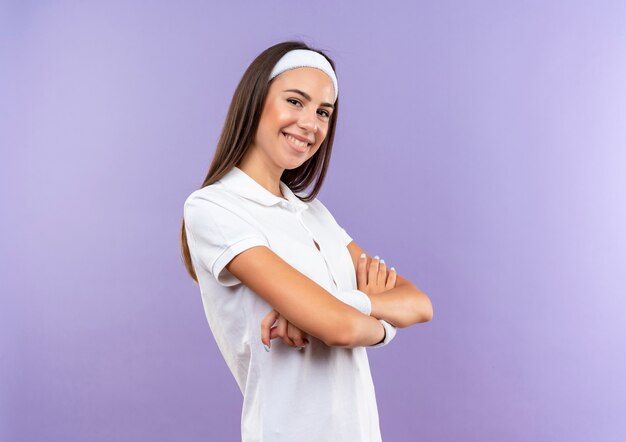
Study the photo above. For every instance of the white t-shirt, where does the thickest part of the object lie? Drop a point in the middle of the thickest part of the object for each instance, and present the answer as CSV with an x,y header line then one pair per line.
x,y
315,394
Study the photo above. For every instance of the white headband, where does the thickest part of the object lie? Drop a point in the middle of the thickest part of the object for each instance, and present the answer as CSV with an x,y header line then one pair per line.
x,y
300,58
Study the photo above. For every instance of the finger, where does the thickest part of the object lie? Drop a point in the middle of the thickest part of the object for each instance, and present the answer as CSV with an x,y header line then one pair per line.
x,y
282,331
372,276
391,278
305,341
274,333
295,334
266,323
361,271
382,273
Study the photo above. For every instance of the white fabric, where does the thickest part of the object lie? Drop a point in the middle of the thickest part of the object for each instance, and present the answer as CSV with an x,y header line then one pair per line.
x,y
357,299
390,333
318,393
300,58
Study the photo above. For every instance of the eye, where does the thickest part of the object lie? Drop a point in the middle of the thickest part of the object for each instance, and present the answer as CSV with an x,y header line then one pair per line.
x,y
294,101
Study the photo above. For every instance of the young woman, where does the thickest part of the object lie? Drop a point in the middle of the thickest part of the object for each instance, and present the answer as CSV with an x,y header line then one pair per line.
x,y
264,255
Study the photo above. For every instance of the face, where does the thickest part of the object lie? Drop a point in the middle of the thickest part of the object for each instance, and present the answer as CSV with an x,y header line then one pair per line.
x,y
287,111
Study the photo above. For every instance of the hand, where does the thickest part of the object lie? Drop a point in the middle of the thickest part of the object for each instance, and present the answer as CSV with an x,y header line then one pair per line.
x,y
373,278
290,334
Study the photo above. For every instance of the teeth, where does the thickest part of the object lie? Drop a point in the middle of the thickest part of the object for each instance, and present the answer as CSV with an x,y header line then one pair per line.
x,y
296,141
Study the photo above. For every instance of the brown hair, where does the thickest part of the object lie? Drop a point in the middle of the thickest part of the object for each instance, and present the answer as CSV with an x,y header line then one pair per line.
x,y
240,127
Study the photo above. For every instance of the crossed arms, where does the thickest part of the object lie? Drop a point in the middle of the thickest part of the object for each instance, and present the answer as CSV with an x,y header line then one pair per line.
x,y
312,309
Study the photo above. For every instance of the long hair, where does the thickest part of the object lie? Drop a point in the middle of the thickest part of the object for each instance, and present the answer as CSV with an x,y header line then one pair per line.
x,y
241,125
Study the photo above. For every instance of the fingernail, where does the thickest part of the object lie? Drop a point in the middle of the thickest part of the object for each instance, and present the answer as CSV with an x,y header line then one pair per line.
x,y
382,261
393,269
376,257
362,255
266,347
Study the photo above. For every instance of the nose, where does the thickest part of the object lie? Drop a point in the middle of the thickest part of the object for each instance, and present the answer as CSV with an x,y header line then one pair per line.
x,y
308,121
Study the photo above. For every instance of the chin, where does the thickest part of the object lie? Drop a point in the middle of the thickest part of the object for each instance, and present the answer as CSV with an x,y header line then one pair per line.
x,y
292,164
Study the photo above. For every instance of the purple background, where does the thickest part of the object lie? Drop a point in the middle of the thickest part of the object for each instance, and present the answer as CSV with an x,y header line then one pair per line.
x,y
481,150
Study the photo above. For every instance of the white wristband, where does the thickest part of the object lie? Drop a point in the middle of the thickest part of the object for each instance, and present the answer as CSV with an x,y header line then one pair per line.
x,y
357,299
390,333
360,301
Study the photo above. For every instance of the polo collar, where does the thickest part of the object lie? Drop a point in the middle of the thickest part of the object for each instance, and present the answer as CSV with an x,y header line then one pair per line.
x,y
242,184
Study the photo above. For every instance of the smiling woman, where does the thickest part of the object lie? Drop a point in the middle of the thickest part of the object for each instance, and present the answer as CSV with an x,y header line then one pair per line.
x,y
297,110
263,253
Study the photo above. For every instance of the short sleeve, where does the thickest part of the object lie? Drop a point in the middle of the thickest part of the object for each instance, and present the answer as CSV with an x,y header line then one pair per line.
x,y
347,239
216,234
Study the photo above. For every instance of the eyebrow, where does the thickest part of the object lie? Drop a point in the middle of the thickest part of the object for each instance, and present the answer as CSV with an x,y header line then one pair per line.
x,y
308,97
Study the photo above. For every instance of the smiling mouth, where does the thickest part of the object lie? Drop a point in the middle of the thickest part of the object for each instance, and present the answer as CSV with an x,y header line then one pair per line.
x,y
295,143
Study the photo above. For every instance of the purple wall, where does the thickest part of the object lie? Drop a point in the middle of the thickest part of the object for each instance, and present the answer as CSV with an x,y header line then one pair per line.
x,y
481,150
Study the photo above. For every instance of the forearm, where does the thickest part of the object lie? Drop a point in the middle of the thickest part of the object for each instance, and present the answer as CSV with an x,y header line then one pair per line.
x,y
366,331
402,306
361,302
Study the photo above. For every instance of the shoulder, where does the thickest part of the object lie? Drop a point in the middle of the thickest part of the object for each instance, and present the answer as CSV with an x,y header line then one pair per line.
x,y
223,210
214,196
320,209
214,192
219,204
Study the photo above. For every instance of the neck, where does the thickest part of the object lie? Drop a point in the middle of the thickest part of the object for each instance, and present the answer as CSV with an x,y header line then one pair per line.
x,y
267,177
